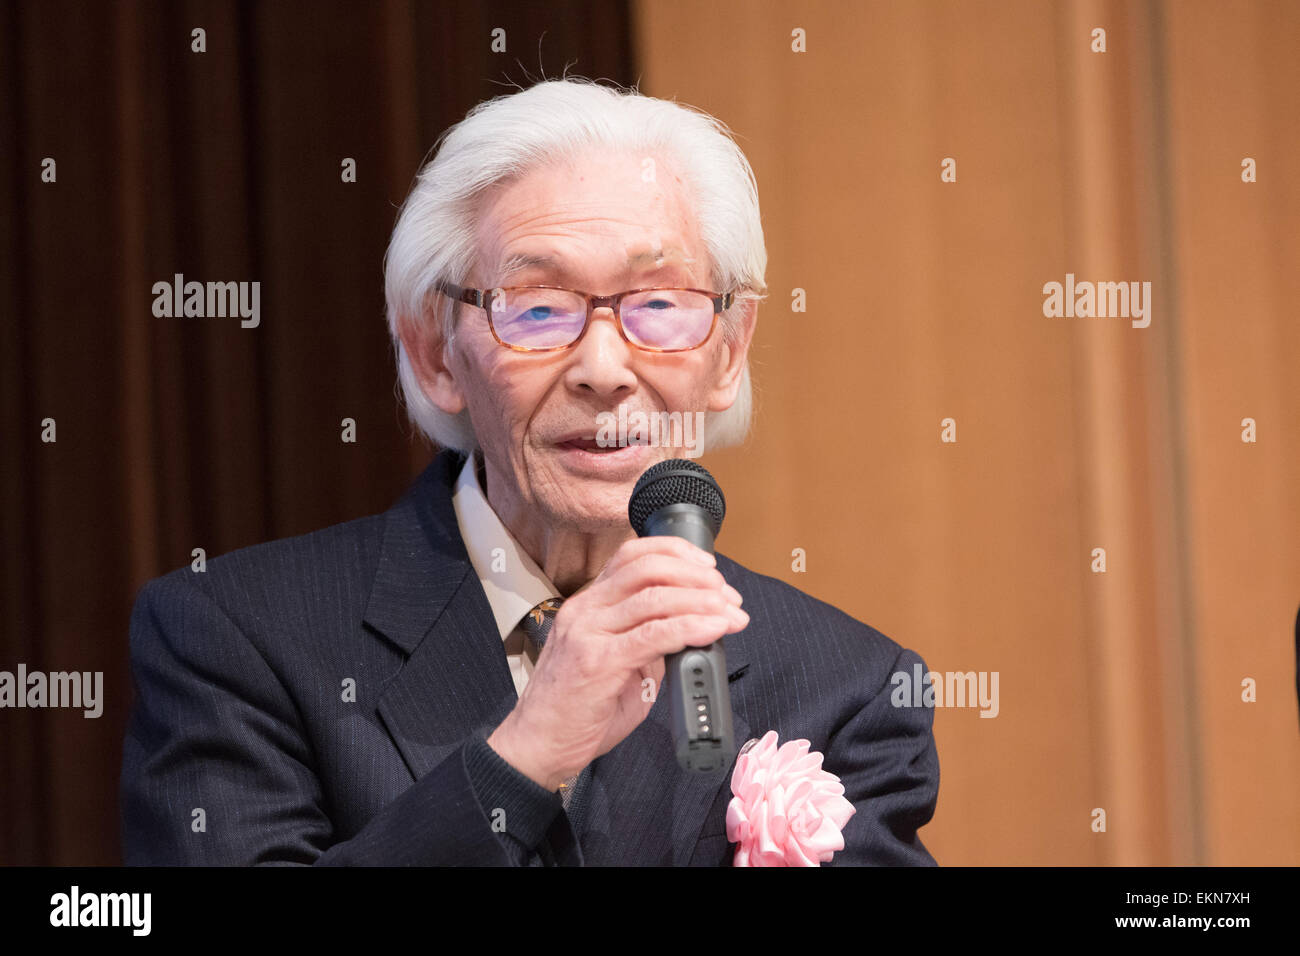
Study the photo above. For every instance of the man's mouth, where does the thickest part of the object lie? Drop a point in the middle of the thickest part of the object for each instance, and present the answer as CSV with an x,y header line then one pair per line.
x,y
590,444
585,443
589,459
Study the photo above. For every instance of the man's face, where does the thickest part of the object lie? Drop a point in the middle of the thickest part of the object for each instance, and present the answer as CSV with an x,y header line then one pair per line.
x,y
606,229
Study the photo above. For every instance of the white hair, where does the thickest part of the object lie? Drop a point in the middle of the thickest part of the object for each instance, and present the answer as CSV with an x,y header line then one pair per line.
x,y
558,120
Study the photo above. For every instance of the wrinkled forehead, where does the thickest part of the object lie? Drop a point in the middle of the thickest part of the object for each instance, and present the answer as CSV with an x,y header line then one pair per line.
x,y
545,229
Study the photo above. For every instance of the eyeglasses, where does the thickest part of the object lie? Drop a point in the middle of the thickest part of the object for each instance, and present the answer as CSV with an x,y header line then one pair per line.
x,y
542,318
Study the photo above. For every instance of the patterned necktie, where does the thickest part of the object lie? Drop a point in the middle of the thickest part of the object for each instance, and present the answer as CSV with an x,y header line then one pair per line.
x,y
538,622
537,625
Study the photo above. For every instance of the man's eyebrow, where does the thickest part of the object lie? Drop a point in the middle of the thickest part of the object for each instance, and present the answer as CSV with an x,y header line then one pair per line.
x,y
523,260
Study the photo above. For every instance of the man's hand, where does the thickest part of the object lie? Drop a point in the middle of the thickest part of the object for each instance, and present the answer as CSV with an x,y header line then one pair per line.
x,y
657,595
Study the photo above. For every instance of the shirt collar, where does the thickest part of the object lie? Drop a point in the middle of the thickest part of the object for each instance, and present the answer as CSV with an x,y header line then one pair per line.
x,y
512,581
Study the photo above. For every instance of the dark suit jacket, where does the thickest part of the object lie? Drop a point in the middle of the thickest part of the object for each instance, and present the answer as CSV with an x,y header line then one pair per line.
x,y
244,747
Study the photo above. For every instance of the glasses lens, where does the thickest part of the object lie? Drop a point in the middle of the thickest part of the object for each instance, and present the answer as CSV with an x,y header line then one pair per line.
x,y
668,318
536,318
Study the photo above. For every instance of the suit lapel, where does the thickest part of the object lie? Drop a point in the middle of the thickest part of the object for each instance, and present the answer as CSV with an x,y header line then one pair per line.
x,y
428,601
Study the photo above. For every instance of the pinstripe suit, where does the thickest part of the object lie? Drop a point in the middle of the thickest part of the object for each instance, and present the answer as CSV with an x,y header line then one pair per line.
x,y
245,744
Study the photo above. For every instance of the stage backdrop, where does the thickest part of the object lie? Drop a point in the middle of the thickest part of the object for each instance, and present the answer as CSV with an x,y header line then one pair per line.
x,y
932,452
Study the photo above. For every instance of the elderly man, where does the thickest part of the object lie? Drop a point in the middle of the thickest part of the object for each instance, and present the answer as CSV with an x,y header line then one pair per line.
x,y
463,680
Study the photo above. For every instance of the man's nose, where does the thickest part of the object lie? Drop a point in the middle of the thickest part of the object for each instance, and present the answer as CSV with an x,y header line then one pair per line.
x,y
602,361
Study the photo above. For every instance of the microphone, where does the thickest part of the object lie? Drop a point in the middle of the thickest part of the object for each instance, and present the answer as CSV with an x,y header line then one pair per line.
x,y
680,498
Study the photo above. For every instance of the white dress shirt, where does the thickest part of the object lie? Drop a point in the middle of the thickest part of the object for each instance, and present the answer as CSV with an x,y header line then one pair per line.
x,y
513,582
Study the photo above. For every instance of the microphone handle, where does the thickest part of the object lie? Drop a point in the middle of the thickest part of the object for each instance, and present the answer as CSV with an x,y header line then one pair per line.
x,y
699,697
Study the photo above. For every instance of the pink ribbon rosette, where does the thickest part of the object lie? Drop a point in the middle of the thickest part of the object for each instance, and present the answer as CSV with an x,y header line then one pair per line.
x,y
786,810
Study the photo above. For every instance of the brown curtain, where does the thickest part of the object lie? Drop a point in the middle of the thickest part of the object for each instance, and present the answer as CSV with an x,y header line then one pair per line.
x,y
1119,691
183,433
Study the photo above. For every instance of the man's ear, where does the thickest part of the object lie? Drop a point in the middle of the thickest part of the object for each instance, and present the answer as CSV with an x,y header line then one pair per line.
x,y
426,351
732,358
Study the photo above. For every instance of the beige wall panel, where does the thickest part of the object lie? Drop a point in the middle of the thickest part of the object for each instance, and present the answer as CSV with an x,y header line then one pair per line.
x,y
925,302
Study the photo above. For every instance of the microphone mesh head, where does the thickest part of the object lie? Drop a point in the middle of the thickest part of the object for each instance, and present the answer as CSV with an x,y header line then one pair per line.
x,y
671,482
